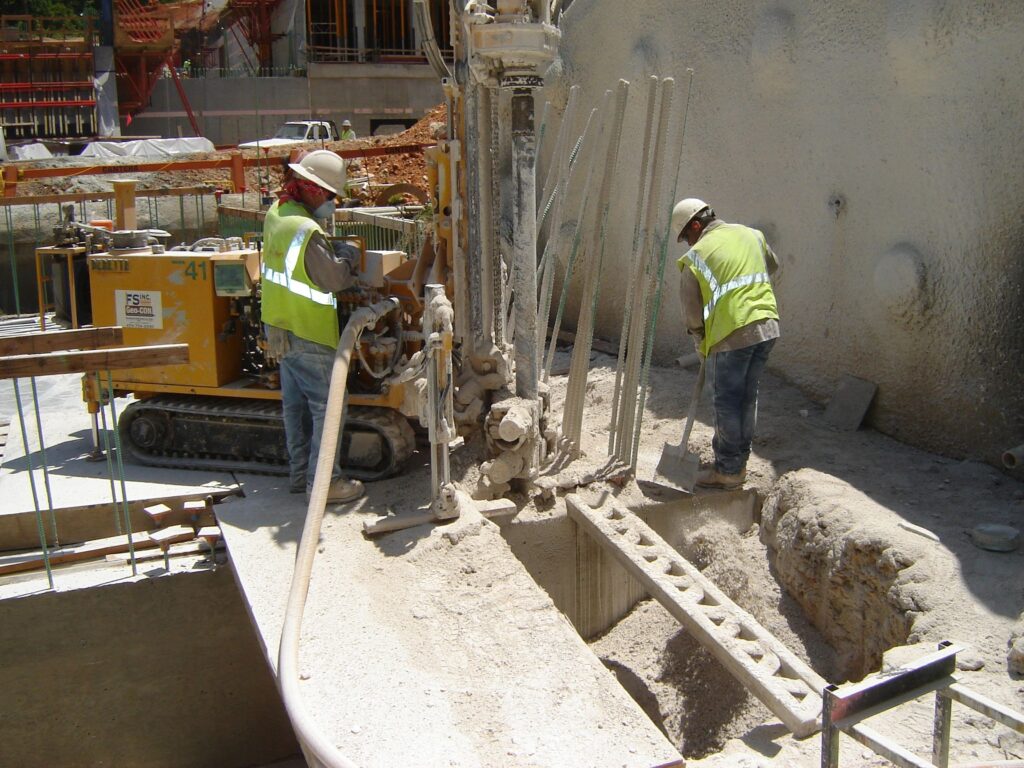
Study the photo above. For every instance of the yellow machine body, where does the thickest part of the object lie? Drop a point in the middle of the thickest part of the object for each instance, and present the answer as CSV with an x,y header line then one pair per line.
x,y
171,298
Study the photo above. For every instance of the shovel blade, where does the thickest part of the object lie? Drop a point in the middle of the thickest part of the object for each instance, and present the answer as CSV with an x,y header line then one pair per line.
x,y
679,467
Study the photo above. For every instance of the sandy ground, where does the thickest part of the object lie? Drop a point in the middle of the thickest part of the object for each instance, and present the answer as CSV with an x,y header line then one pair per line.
x,y
954,589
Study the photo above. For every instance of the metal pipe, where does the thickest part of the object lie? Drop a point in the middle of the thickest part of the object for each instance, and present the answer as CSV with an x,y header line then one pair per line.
x,y
524,241
316,746
474,215
1013,457
502,216
437,329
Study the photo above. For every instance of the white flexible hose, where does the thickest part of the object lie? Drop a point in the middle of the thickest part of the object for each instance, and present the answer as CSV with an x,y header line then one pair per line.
x,y
319,750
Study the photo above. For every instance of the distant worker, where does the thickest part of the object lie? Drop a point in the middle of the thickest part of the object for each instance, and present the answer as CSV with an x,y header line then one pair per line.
x,y
300,274
729,308
347,134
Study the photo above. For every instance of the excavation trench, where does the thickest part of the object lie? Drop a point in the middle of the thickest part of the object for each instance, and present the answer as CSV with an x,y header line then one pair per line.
x,y
684,690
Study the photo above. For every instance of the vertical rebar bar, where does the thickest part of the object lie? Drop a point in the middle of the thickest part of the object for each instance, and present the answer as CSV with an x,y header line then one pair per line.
x,y
614,435
552,179
9,221
590,266
585,198
120,473
553,245
32,485
657,235
42,455
634,354
660,277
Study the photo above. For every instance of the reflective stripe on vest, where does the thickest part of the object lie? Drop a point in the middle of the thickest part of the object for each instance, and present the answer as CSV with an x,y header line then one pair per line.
x,y
291,261
729,264
718,291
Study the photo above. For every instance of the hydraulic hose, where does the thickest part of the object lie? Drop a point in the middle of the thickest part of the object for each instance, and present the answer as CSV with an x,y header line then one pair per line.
x,y
318,749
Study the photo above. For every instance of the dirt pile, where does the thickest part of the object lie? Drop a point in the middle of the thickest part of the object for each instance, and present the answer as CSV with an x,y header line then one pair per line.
x,y
384,169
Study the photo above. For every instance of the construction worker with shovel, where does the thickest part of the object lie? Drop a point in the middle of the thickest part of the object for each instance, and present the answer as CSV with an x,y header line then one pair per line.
x,y
729,308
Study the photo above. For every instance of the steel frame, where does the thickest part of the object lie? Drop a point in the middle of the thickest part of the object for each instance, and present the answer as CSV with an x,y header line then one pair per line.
x,y
843,711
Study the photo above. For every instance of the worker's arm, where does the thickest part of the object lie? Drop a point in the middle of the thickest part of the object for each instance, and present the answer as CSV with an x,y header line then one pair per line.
x,y
693,306
330,266
770,260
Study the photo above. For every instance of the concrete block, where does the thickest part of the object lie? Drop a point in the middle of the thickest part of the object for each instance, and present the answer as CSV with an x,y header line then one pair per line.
x,y
377,264
850,403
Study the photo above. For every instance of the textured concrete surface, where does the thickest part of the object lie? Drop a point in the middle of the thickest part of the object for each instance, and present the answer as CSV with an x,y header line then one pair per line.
x,y
154,671
877,146
432,647
233,110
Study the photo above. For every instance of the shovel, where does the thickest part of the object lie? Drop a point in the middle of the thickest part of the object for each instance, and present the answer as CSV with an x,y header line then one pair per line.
x,y
677,464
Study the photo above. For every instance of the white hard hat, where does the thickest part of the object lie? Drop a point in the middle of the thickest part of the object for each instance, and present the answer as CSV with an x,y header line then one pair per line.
x,y
324,168
684,212
347,123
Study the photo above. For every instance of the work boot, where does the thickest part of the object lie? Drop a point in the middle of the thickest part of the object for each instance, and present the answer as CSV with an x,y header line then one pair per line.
x,y
343,491
710,477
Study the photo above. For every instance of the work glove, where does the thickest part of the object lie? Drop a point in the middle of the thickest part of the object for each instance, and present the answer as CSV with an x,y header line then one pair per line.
x,y
277,343
345,251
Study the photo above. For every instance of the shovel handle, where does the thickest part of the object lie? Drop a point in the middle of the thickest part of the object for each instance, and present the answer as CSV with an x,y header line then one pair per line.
x,y
691,415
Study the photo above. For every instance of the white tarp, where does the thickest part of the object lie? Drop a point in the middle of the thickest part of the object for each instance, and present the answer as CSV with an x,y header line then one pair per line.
x,y
29,152
147,147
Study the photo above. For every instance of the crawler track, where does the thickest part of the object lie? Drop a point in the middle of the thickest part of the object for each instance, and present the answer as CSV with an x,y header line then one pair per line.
x,y
237,435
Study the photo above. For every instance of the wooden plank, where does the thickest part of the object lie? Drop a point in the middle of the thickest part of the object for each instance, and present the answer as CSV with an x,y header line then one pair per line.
x,y
89,550
93,360
19,530
164,537
76,197
186,548
782,681
82,338
158,513
209,533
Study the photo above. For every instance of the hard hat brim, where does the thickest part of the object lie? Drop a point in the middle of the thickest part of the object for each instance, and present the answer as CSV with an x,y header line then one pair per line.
x,y
308,176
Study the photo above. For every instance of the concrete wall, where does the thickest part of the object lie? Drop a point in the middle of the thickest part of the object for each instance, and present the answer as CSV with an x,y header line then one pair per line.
x,y
877,145
165,671
232,110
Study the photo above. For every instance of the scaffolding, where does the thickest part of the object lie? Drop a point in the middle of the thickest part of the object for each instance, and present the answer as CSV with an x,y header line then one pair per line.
x,y
46,77
342,31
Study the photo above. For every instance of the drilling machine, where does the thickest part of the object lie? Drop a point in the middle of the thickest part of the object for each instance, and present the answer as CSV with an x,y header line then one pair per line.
x,y
221,410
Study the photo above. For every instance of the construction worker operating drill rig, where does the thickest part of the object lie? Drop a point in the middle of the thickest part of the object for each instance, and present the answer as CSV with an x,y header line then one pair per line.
x,y
730,310
301,273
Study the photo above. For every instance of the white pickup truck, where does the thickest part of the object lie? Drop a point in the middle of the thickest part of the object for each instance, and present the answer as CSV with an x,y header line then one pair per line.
x,y
297,131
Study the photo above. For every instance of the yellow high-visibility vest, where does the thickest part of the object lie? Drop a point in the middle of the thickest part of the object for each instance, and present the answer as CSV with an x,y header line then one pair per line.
x,y
290,299
730,266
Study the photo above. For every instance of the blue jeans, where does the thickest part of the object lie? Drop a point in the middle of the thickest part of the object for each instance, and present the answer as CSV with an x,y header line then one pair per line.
x,y
734,377
305,382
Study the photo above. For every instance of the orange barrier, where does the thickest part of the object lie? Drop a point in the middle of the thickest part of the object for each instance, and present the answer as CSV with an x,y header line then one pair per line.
x,y
13,175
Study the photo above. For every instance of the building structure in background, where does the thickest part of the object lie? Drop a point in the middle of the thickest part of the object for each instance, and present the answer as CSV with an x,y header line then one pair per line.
x,y
47,87
260,63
